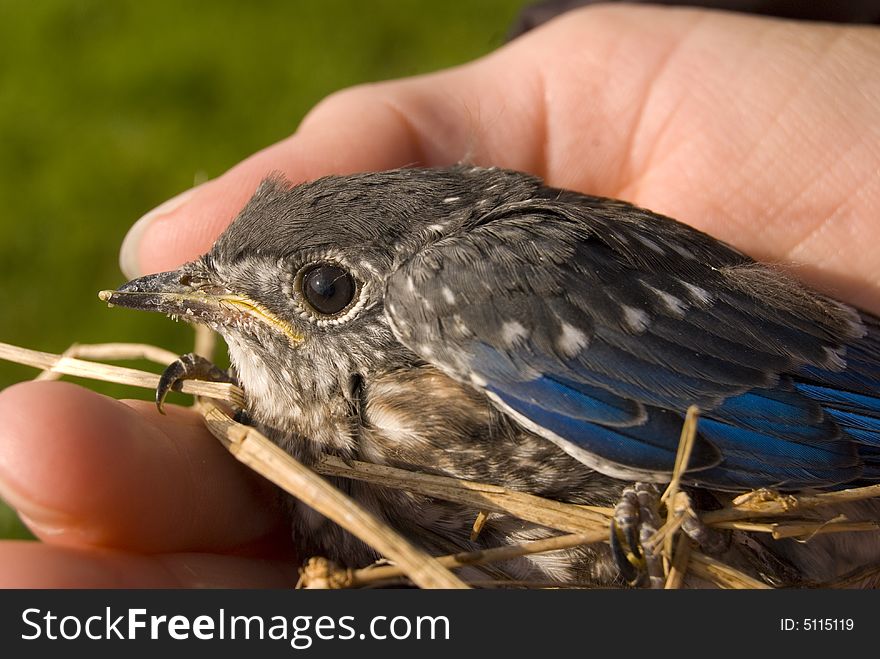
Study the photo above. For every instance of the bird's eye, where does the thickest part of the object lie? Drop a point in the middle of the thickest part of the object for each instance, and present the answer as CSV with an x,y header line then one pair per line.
x,y
327,288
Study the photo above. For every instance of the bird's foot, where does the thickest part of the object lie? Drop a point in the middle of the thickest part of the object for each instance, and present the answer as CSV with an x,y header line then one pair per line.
x,y
710,541
635,539
188,367
636,519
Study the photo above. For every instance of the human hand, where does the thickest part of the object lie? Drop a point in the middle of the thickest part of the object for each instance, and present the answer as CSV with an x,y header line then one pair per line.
x,y
763,133
123,497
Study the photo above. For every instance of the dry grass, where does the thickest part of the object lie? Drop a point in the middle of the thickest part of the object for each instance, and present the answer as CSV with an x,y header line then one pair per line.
x,y
760,511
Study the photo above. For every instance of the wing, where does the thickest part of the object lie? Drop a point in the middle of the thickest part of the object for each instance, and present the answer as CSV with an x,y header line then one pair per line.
x,y
595,324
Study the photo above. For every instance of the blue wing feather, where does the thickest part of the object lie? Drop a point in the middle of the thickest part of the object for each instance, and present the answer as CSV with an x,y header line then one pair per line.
x,y
742,471
650,446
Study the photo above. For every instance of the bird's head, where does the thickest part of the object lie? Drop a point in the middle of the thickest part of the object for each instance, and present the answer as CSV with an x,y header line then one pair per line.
x,y
296,284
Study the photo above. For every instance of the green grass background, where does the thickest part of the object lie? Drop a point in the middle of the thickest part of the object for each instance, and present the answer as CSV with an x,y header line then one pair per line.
x,y
107,108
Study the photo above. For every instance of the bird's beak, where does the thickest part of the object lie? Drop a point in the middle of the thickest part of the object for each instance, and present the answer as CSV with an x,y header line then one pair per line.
x,y
173,293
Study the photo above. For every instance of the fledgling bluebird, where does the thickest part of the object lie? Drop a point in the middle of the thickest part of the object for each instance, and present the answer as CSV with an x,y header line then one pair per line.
x,y
478,324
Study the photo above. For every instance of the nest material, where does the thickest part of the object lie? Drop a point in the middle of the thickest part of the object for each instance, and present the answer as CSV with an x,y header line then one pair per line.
x,y
761,511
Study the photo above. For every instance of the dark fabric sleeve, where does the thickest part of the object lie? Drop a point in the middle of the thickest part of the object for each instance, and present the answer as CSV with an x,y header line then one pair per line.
x,y
845,11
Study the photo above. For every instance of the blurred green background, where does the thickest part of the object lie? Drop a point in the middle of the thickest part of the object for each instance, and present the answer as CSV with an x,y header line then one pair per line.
x,y
107,108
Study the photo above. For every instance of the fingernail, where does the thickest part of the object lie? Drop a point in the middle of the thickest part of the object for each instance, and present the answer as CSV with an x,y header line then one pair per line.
x,y
34,515
129,253
43,527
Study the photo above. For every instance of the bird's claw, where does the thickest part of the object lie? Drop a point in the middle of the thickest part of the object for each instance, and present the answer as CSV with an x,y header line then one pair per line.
x,y
188,367
636,519
710,541
629,565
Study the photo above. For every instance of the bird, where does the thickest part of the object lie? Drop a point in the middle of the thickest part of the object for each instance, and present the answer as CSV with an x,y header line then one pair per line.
x,y
474,322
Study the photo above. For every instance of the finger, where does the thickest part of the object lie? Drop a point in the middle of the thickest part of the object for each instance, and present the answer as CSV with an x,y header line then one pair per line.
x,y
36,565
87,470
